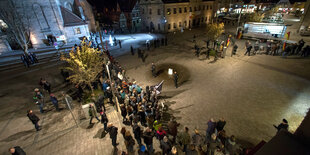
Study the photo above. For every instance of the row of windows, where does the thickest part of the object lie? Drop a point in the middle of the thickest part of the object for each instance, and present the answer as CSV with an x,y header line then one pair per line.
x,y
204,7
202,19
150,11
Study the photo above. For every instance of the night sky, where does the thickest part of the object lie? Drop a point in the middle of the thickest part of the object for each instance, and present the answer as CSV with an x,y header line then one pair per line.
x,y
125,5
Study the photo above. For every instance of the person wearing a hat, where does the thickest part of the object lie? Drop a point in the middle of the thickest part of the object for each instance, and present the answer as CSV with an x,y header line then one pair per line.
x,y
283,125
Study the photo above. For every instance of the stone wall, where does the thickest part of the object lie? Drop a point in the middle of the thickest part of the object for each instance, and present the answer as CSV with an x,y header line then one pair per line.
x,y
73,35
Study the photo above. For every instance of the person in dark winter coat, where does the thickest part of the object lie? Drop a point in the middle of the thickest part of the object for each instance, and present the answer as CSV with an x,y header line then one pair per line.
x,y
184,139
234,50
104,120
131,50
80,92
176,78
166,146
25,61
148,139
17,150
213,145
124,112
211,128
92,113
197,139
283,125
34,119
47,86
153,70
137,133
173,129
54,101
110,95
231,146
301,43
120,43
113,134
220,125
191,150
248,50
129,142
39,99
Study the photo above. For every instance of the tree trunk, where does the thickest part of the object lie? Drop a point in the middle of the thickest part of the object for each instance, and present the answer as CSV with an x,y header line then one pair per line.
x,y
91,87
25,49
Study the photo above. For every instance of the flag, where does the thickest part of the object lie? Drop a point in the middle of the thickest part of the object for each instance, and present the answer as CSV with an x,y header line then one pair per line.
x,y
284,45
159,87
287,35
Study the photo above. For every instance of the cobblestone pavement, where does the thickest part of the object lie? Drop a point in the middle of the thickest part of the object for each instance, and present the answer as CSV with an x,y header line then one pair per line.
x,y
251,93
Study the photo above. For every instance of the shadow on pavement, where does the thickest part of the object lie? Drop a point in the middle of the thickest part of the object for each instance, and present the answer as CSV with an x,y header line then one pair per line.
x,y
18,135
100,134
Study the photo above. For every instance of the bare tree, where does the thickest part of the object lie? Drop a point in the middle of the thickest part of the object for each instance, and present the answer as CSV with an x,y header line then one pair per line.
x,y
18,22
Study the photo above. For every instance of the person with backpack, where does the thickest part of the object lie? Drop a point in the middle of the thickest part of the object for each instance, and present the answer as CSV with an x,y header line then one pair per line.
x,y
92,113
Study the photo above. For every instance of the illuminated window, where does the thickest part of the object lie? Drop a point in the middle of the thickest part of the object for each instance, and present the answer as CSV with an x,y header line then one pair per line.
x,y
168,11
77,30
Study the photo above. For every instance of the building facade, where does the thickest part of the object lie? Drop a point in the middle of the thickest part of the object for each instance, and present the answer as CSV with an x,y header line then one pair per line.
x,y
175,15
152,15
59,20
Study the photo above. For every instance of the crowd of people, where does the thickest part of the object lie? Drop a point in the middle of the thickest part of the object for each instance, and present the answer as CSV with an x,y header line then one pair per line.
x,y
141,110
270,47
29,59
